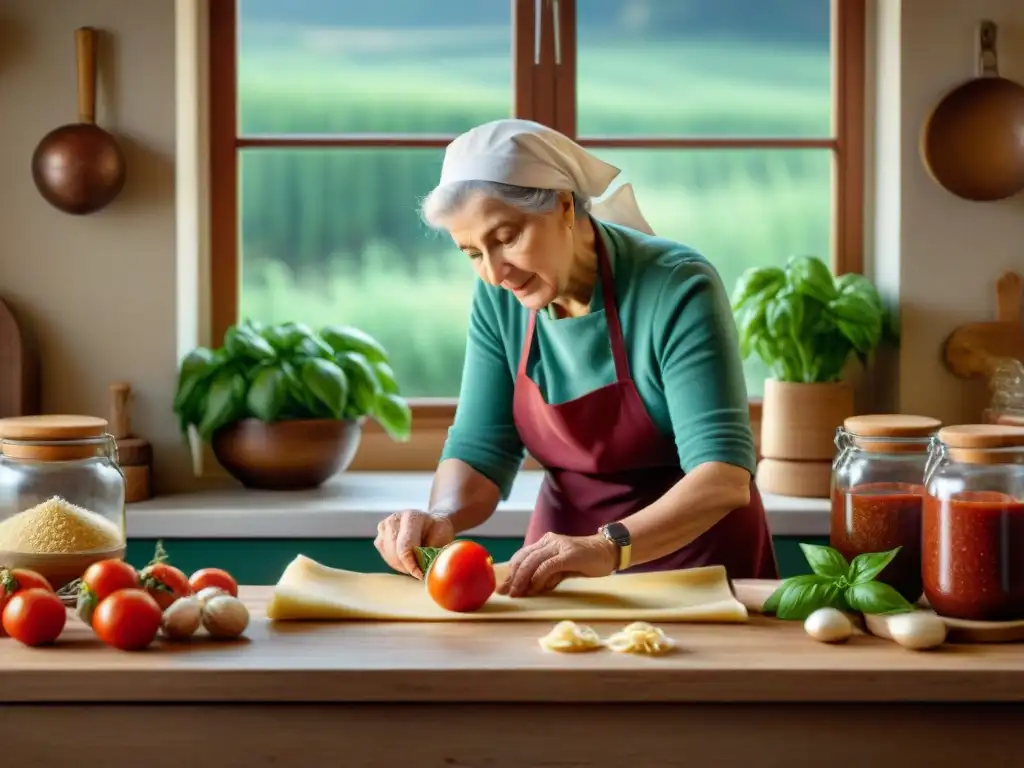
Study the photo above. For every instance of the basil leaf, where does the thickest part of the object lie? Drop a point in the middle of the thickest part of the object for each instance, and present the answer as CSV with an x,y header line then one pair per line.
x,y
771,605
876,597
802,595
825,561
868,565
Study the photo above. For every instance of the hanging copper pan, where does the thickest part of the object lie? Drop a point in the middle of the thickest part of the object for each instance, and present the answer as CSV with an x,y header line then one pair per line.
x,y
973,141
79,168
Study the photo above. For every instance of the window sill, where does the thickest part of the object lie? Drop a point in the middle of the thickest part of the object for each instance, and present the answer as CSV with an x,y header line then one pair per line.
x,y
351,505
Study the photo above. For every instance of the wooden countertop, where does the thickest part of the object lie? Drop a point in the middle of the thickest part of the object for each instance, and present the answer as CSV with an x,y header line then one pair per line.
x,y
764,660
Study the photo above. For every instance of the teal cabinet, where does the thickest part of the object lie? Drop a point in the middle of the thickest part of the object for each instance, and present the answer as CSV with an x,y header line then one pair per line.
x,y
261,561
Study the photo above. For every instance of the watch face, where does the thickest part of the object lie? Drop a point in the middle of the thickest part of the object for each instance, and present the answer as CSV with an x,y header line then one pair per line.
x,y
618,533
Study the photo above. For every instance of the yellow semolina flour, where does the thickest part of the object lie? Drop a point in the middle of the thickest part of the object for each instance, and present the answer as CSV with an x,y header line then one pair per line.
x,y
58,527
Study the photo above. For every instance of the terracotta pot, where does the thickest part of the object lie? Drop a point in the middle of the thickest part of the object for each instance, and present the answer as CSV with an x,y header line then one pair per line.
x,y
806,479
286,455
799,421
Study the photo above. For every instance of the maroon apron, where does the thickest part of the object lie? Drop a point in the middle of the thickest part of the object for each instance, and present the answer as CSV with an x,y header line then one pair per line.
x,y
605,459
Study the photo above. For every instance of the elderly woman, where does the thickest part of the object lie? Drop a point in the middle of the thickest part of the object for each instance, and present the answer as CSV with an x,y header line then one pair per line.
x,y
609,354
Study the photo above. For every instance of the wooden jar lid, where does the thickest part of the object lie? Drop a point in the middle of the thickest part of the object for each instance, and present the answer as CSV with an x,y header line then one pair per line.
x,y
52,427
871,432
48,431
975,443
891,425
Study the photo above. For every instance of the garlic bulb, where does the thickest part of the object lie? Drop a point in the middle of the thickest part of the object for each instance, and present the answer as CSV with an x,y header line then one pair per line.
x,y
225,617
206,593
182,618
828,625
917,630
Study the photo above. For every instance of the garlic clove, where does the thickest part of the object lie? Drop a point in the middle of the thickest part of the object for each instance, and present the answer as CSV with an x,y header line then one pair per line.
x,y
225,617
828,625
182,618
917,630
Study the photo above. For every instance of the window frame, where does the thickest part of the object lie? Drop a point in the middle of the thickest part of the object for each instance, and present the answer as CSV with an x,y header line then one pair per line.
x,y
543,90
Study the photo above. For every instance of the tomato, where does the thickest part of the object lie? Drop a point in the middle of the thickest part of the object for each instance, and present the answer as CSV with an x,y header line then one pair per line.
x,y
165,583
13,580
128,619
461,577
213,577
101,580
34,616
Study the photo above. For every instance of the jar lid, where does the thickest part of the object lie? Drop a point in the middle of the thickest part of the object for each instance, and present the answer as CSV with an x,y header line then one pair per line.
x,y
891,425
53,427
980,436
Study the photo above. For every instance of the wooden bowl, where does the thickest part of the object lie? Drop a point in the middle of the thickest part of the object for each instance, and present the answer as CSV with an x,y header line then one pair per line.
x,y
286,455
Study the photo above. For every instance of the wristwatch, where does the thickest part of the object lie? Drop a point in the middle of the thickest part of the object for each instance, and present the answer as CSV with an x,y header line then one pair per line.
x,y
618,534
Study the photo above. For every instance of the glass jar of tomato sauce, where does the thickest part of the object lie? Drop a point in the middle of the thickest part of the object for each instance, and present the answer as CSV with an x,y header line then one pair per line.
x,y
973,523
878,491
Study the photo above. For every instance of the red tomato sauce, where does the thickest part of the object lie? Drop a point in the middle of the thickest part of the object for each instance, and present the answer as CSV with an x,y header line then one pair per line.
x,y
877,517
973,551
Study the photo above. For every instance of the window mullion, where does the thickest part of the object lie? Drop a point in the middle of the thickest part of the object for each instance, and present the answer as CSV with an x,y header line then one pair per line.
x,y
565,67
533,53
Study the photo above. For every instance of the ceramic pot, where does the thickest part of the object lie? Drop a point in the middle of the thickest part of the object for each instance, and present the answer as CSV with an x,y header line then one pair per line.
x,y
286,455
798,427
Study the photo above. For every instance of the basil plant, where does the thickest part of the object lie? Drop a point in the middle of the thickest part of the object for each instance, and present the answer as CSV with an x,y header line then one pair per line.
x,y
803,323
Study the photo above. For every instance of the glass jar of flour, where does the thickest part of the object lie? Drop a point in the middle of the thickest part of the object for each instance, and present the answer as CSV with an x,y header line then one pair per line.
x,y
62,495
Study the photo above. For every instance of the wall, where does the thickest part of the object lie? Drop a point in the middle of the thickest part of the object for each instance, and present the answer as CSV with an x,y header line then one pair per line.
x,y
98,292
950,251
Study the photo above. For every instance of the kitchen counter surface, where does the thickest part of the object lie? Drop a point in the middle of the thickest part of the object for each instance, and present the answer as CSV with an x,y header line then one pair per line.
x,y
763,660
484,695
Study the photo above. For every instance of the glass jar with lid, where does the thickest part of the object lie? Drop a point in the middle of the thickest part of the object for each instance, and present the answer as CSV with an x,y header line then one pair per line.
x,y
973,523
877,492
62,495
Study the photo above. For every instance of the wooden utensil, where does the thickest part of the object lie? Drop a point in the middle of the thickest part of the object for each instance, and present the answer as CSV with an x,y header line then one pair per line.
x,y
19,379
971,142
79,168
960,630
134,454
974,349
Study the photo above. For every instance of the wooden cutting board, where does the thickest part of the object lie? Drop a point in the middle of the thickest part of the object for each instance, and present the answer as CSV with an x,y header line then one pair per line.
x,y
972,350
19,381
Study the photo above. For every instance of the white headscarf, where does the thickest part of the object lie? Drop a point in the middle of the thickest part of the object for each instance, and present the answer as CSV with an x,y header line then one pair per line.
x,y
529,154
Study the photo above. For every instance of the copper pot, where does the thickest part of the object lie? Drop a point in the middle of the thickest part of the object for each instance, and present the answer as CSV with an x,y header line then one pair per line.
x,y
79,168
971,142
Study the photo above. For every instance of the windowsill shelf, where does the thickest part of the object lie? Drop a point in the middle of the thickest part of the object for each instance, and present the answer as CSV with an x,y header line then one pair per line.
x,y
351,505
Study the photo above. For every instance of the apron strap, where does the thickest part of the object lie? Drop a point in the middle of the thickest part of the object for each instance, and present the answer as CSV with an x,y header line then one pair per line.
x,y
524,355
611,310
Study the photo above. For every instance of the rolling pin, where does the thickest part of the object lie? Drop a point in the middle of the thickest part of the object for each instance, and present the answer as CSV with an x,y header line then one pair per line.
x,y
134,453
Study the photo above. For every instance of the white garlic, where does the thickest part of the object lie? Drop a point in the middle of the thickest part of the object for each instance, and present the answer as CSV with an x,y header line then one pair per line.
x,y
181,619
828,625
206,593
917,630
225,617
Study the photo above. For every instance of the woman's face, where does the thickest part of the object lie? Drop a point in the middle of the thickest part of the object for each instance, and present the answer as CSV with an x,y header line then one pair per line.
x,y
528,254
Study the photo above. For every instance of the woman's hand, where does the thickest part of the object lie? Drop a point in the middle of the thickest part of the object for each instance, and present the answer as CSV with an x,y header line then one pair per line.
x,y
542,565
398,536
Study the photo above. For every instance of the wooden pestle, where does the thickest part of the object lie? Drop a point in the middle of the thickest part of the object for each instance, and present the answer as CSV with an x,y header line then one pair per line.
x,y
134,453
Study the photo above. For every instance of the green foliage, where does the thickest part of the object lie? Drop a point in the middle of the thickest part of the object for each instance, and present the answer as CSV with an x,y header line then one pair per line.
x,y
802,323
289,371
333,235
835,583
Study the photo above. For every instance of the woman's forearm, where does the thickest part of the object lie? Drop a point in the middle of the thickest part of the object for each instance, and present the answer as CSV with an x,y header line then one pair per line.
x,y
463,495
690,508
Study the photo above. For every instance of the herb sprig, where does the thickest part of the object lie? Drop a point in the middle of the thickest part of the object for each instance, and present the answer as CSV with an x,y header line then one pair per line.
x,y
835,583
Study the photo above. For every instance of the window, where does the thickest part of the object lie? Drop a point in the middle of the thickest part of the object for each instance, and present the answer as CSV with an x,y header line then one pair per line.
x,y
739,122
